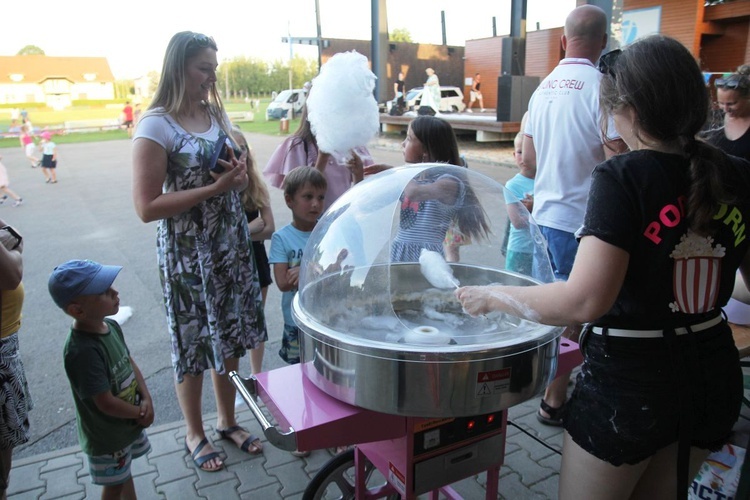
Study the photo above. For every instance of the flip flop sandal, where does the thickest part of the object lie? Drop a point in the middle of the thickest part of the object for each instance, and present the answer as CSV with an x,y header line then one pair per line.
x,y
252,441
199,461
555,414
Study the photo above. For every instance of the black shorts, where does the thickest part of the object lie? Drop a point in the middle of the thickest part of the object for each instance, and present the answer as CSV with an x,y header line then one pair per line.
x,y
48,162
626,403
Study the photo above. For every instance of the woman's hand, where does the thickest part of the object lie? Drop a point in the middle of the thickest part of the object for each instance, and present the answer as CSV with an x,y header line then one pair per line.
x,y
473,299
234,177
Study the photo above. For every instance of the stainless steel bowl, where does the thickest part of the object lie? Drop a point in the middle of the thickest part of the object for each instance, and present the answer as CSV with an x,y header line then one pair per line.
x,y
395,345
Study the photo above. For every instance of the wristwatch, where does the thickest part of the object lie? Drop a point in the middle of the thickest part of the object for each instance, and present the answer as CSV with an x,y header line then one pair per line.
x,y
13,233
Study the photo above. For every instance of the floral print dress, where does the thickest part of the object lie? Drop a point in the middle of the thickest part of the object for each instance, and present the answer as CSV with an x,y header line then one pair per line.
x,y
210,283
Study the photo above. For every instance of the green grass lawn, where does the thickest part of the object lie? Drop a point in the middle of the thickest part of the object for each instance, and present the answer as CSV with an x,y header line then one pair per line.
x,y
44,117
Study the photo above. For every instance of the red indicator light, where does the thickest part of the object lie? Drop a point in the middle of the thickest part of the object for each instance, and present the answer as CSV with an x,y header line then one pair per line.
x,y
490,419
470,425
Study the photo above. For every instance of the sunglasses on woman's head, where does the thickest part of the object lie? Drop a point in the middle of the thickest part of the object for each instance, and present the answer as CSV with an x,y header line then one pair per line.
x,y
202,40
607,62
726,83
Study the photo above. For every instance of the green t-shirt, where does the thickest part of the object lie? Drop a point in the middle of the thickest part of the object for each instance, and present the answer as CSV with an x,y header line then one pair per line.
x,y
96,363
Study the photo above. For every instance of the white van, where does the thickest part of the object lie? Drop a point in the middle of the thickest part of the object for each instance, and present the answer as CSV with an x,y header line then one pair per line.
x,y
286,100
451,99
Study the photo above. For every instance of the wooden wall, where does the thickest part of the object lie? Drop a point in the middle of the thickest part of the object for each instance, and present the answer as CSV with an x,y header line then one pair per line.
x,y
727,51
484,55
411,58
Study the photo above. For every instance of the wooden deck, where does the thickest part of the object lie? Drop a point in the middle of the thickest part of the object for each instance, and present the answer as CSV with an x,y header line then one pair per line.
x,y
486,127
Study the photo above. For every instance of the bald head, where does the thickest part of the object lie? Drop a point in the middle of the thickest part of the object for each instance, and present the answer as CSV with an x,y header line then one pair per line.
x,y
585,32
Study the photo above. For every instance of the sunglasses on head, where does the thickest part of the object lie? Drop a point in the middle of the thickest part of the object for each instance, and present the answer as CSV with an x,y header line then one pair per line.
x,y
202,40
607,62
730,83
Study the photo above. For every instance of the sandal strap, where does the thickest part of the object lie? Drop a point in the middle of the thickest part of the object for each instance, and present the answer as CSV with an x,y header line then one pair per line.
x,y
552,412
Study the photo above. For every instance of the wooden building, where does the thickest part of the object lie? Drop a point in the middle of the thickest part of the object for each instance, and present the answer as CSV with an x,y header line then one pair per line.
x,y
55,81
718,35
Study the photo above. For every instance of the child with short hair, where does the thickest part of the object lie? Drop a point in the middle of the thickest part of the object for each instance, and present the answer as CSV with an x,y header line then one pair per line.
x,y
49,158
519,256
113,405
304,193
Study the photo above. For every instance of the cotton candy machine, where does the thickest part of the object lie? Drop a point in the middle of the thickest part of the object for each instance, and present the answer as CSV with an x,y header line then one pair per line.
x,y
379,336
390,362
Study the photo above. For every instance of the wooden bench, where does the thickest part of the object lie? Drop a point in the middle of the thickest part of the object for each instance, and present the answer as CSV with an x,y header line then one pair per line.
x,y
93,125
241,116
487,130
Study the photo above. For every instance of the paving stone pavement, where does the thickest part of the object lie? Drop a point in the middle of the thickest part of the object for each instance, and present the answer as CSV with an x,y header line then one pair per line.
x,y
530,470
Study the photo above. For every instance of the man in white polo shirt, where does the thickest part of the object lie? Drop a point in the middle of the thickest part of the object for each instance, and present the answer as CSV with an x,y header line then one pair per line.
x,y
563,139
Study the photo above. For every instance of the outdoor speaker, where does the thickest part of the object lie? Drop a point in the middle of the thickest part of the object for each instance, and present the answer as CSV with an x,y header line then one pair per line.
x,y
513,95
513,56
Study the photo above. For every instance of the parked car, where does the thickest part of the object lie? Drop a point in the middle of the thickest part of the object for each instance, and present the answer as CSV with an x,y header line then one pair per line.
x,y
451,99
286,100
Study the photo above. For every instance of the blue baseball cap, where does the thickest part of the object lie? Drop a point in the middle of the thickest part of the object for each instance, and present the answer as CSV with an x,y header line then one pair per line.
x,y
80,277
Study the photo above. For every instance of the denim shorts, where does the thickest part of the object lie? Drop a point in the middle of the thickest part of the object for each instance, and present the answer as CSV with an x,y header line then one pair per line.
x,y
632,393
561,250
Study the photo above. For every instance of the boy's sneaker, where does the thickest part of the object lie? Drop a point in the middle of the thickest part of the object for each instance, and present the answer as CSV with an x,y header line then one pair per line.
x,y
469,110
18,202
239,402
2,200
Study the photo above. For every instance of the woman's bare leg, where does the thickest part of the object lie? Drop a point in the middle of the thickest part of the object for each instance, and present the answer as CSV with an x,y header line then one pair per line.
x,y
582,475
189,394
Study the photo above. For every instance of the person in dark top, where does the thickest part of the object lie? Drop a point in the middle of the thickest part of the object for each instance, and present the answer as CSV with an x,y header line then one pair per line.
x,y
662,238
733,98
260,224
476,94
399,88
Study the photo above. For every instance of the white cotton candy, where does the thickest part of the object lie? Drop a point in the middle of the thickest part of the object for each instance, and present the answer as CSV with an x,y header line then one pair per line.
x,y
123,314
341,107
436,270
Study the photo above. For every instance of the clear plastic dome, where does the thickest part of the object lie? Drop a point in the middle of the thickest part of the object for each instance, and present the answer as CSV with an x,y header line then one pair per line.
x,y
361,277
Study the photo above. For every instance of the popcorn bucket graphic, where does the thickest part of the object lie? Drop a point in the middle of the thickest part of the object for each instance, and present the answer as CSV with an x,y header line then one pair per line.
x,y
696,283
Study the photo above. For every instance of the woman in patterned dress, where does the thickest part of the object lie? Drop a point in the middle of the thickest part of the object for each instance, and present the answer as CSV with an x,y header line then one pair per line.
x,y
210,283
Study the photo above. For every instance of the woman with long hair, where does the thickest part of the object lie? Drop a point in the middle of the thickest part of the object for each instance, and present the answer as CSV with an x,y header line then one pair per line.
x,y
210,283
733,98
301,150
662,239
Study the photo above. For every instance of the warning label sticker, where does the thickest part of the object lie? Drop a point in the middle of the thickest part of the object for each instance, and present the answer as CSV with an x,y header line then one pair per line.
x,y
396,478
493,382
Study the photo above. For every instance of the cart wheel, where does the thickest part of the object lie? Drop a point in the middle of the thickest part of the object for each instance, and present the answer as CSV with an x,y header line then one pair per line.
x,y
336,479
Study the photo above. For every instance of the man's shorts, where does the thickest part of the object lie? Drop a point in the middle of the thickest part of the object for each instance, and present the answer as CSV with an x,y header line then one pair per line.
x,y
561,249
114,468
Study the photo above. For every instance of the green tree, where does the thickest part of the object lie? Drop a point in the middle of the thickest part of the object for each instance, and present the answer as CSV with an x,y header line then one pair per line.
x,y
154,77
400,35
31,50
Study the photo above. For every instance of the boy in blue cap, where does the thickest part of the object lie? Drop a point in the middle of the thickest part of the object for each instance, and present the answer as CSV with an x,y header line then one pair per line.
x,y
113,405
